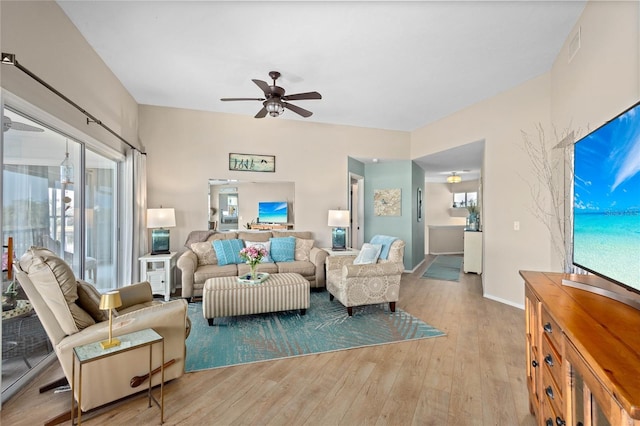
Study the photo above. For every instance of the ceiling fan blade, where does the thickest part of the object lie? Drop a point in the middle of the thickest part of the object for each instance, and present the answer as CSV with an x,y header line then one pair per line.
x,y
262,113
25,127
300,111
263,86
241,99
8,124
302,96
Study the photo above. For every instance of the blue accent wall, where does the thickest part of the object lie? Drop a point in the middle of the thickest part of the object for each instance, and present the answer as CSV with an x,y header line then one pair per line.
x,y
418,228
407,176
355,166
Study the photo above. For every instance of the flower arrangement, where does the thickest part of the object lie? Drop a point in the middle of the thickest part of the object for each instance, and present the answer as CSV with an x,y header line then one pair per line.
x,y
253,255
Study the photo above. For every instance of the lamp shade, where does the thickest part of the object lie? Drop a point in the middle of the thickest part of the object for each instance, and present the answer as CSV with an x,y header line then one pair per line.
x,y
161,218
339,218
110,300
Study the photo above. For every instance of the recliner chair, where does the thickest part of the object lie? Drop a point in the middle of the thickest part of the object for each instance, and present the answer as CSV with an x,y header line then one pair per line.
x,y
68,309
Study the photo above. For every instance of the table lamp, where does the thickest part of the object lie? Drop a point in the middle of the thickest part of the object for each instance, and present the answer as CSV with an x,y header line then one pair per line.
x,y
339,219
109,301
157,220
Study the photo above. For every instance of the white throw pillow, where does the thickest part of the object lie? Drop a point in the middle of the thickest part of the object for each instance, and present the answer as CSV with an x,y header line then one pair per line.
x,y
369,254
264,244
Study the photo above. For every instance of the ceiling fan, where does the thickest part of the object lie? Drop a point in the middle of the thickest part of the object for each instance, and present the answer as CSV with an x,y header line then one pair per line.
x,y
275,100
8,124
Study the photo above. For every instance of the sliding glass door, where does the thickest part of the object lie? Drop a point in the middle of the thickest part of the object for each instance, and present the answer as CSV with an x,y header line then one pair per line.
x,y
100,261
61,195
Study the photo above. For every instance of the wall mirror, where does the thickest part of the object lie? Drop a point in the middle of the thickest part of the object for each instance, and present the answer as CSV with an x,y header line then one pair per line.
x,y
235,204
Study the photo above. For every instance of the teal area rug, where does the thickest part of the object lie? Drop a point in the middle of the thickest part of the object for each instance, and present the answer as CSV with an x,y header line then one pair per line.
x,y
326,327
446,268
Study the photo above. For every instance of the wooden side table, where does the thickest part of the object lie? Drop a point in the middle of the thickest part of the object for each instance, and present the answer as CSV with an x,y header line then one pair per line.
x,y
91,352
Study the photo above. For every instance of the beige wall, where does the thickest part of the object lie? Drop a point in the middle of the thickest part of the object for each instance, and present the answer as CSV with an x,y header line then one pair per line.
x,y
49,45
602,78
445,239
185,148
600,82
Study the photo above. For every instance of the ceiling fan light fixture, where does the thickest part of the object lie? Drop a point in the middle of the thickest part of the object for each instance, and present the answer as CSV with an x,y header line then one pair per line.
x,y
274,108
454,178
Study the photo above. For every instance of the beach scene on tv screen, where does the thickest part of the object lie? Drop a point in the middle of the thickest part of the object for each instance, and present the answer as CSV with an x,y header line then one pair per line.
x,y
272,212
607,200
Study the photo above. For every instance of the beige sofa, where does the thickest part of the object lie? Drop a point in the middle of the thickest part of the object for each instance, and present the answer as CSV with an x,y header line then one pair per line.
x,y
199,262
70,314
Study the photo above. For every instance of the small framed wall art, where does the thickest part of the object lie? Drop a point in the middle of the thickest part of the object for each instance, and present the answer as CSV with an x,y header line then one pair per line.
x,y
252,162
387,202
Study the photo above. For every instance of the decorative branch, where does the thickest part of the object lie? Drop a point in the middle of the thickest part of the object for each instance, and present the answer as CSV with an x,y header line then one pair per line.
x,y
552,199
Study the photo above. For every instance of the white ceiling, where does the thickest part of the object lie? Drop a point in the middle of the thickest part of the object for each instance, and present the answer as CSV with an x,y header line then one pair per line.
x,y
387,65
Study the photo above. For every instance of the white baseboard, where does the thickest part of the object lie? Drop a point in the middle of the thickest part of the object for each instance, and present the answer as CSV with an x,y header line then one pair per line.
x,y
414,269
506,302
447,252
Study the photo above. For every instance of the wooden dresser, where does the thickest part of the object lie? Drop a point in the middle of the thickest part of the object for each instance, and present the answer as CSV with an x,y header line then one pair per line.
x,y
583,354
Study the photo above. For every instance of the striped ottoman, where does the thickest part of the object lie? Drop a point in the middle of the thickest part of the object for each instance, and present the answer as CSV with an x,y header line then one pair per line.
x,y
225,296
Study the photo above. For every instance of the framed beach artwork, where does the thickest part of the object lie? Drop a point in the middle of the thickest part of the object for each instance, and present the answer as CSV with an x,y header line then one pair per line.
x,y
252,162
387,202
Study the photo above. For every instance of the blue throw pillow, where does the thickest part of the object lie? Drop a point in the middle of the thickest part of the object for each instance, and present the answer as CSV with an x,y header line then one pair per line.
x,y
228,251
283,249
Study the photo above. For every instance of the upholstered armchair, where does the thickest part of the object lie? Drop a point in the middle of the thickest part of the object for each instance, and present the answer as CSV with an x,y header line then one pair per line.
x,y
70,314
366,284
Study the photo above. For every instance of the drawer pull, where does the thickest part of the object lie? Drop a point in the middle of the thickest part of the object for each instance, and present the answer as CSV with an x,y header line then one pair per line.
x,y
549,422
547,327
549,392
560,422
534,363
549,360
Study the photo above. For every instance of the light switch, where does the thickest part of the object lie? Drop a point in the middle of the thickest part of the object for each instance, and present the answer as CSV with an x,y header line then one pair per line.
x,y
516,225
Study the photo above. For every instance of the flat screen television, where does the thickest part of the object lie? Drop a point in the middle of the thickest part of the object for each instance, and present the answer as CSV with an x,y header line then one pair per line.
x,y
606,208
273,212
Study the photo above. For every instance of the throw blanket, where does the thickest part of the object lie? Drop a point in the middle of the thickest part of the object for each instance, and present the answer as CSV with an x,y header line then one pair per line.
x,y
385,241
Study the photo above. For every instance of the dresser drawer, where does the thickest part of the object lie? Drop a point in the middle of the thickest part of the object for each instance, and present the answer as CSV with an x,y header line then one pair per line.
x,y
551,361
550,416
551,394
551,329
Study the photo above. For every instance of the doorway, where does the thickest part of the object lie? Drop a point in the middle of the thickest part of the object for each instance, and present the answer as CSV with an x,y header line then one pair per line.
x,y
356,210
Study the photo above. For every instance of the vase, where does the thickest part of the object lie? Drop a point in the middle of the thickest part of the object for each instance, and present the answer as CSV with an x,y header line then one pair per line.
x,y
254,274
473,222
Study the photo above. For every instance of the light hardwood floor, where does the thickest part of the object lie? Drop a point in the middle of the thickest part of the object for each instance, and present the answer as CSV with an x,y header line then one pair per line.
x,y
473,376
